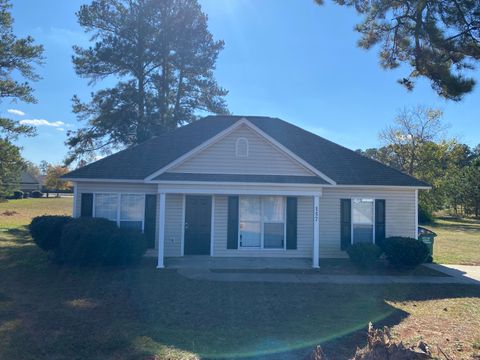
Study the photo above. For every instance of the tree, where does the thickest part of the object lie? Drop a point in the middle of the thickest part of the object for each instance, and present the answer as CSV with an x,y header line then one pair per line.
x,y
163,56
53,179
472,188
11,163
17,55
44,165
413,128
437,39
414,145
31,168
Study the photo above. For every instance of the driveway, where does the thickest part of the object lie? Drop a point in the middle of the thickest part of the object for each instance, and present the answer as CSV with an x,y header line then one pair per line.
x,y
470,273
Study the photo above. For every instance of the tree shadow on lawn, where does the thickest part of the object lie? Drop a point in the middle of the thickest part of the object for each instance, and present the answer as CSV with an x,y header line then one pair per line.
x,y
469,228
276,321
19,235
136,313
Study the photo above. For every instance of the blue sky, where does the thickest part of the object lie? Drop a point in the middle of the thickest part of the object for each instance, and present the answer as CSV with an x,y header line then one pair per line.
x,y
290,59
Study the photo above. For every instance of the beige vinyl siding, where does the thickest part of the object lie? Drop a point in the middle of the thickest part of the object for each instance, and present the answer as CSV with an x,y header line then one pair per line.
x,y
264,158
114,187
400,218
399,215
304,232
173,225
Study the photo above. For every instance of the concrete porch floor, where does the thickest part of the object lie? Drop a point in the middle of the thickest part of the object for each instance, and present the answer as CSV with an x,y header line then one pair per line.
x,y
208,262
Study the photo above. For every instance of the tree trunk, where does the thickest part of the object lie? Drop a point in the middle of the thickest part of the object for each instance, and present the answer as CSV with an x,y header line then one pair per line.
x,y
141,132
178,97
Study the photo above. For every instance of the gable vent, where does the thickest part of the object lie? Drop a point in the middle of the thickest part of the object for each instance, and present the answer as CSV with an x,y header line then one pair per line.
x,y
241,148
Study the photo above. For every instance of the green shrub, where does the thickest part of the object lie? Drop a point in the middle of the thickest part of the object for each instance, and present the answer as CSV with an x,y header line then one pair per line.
x,y
404,252
96,241
364,255
18,194
36,194
425,215
46,230
126,247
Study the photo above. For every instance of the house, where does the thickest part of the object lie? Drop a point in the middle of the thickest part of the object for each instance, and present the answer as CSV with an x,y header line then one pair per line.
x,y
28,182
234,186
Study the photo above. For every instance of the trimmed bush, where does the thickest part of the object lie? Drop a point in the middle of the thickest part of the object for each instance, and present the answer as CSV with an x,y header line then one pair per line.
x,y
96,241
36,194
364,255
126,247
404,252
18,194
46,230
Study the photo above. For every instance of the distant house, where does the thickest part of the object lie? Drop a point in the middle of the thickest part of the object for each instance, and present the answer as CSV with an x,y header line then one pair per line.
x,y
233,186
28,182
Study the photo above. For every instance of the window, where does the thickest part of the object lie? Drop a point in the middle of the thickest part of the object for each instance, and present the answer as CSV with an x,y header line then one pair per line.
x,y
241,147
106,206
250,221
132,208
362,220
262,222
273,221
127,210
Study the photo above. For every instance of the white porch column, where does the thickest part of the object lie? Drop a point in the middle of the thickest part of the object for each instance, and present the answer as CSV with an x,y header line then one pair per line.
x,y
75,199
416,214
316,231
161,232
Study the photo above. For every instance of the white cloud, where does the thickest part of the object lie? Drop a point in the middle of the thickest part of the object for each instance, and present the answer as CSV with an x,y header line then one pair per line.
x,y
60,129
41,122
65,37
16,112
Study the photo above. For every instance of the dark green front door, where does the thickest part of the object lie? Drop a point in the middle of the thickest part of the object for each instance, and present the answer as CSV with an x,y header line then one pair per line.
x,y
198,215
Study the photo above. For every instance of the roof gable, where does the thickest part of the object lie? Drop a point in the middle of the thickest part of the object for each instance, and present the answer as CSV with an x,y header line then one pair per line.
x,y
335,162
263,157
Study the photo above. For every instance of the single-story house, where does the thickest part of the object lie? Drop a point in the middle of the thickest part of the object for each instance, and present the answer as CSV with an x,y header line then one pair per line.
x,y
28,182
248,186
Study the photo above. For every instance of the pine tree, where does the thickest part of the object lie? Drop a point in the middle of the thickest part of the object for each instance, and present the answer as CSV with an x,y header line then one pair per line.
x,y
16,55
163,56
438,39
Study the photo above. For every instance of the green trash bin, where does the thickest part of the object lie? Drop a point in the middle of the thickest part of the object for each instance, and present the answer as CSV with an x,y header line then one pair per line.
x,y
428,237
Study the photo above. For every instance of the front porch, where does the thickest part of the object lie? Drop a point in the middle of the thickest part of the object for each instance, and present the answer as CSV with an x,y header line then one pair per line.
x,y
209,224
234,263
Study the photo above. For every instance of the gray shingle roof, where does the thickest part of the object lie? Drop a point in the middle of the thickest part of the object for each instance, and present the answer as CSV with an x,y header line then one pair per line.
x,y
343,165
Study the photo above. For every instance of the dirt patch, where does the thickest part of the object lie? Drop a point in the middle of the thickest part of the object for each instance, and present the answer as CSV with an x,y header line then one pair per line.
x,y
9,213
381,346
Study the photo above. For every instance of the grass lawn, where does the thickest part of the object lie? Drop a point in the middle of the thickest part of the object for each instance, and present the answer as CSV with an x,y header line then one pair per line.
x,y
15,213
51,312
458,241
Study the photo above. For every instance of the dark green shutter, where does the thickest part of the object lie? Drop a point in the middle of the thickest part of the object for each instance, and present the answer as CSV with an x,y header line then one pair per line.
x,y
86,205
379,220
345,223
150,219
232,226
291,223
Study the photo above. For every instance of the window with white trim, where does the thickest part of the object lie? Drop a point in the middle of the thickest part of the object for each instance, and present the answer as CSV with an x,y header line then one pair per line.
x,y
241,147
363,220
132,208
106,206
262,222
127,210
